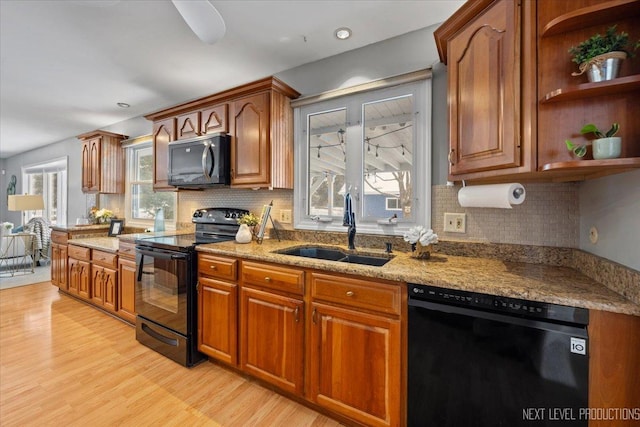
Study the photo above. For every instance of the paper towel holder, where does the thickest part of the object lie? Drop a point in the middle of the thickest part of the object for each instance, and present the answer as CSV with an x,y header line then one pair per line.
x,y
518,192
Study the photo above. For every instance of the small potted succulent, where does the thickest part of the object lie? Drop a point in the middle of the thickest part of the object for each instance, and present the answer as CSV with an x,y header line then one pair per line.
x,y
600,56
605,146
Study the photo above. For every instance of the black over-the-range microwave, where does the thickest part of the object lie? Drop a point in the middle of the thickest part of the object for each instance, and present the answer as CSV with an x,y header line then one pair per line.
x,y
200,162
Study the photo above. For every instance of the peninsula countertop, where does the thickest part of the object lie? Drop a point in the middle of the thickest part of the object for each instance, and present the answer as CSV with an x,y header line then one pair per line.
x,y
535,282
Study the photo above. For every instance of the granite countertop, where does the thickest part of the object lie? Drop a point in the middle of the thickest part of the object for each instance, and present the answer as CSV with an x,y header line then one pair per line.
x,y
69,227
536,282
103,243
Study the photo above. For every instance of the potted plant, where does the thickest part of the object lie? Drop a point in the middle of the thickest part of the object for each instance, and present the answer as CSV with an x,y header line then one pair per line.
x,y
246,231
605,146
600,56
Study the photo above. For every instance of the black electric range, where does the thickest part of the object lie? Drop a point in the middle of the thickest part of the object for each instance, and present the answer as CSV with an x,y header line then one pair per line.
x,y
166,277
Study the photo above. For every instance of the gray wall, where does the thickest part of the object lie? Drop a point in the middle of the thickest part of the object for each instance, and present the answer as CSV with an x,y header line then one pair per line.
x,y
612,205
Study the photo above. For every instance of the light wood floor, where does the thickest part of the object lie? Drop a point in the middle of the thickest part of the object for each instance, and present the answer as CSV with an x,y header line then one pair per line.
x,y
63,363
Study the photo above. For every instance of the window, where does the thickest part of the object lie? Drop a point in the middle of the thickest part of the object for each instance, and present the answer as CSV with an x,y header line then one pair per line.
x,y
372,144
393,204
50,180
141,201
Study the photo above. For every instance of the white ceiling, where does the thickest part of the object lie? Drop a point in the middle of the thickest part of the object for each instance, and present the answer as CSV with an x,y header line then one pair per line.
x,y
65,64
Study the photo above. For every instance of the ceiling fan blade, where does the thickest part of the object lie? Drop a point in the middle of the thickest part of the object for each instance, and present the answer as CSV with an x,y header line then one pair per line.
x,y
203,19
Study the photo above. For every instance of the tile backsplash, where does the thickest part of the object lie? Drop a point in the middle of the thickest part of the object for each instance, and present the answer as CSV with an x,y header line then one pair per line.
x,y
549,215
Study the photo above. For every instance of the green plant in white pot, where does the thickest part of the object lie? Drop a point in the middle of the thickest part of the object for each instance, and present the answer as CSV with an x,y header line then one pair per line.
x,y
605,146
600,56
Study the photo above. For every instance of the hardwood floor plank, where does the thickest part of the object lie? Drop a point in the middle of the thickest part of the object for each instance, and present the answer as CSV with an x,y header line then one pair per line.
x,y
63,362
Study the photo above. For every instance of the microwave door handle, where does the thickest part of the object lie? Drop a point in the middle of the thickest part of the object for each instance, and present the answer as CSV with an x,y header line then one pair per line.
x,y
205,154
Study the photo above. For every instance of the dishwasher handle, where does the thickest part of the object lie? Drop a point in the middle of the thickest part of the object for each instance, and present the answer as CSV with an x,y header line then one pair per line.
x,y
574,331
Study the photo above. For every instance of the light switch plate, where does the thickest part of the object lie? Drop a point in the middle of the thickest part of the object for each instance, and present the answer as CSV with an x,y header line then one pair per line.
x,y
455,222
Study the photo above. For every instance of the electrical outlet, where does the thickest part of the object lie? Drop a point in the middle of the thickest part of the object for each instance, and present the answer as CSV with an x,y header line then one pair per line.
x,y
285,216
455,222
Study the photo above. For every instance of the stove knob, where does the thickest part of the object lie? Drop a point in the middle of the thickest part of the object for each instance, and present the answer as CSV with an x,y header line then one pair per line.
x,y
227,214
233,215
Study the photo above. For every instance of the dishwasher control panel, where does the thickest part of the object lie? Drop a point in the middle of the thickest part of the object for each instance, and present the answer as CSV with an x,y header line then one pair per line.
x,y
502,304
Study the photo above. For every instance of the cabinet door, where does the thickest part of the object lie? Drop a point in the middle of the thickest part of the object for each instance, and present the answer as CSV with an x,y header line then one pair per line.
x,y
97,285
214,119
94,165
84,279
126,289
271,338
74,275
355,364
484,84
59,266
163,133
218,320
86,166
250,151
188,125
110,280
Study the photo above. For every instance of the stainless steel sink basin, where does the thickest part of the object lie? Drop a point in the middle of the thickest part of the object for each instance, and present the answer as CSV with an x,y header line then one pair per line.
x,y
329,254
374,261
315,252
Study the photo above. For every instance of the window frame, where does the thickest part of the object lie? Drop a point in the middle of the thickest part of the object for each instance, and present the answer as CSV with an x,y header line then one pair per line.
x,y
363,94
59,166
131,149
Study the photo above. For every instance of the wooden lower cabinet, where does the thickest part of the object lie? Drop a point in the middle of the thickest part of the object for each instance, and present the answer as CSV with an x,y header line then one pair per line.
x,y
272,338
59,266
218,319
104,282
355,364
126,289
79,278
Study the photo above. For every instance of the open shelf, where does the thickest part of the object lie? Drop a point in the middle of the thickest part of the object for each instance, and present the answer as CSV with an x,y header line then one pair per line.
x,y
592,15
586,90
585,169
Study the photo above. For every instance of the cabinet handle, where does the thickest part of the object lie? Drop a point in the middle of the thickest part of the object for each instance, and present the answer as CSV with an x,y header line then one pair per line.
x,y
450,157
267,279
213,267
350,293
296,314
232,173
313,316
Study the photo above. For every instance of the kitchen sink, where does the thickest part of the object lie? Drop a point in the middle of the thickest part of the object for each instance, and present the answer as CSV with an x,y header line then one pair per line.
x,y
330,254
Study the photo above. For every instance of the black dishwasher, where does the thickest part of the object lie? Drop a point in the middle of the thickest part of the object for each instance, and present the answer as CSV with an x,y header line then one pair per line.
x,y
483,360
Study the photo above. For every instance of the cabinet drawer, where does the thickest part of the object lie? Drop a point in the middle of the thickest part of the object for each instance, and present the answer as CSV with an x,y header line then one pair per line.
x,y
222,268
356,293
127,249
59,237
79,252
272,277
106,259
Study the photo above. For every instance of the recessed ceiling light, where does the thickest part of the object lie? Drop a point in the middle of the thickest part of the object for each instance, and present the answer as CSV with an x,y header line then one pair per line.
x,y
343,33
123,105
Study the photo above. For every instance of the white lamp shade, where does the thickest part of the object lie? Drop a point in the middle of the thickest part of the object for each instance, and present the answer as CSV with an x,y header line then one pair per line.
x,y
26,202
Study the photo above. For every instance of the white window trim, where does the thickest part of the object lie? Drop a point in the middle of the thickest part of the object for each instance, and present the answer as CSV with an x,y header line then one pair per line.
x,y
60,164
386,202
136,222
422,158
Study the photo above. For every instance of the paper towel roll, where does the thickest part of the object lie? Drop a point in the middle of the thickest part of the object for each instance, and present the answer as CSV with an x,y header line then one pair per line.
x,y
491,196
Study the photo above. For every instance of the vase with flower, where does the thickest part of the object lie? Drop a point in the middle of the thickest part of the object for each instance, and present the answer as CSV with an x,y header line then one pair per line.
x,y
100,216
246,231
421,240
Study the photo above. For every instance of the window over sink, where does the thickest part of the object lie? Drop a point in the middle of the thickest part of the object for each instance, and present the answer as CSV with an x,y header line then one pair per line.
x,y
373,144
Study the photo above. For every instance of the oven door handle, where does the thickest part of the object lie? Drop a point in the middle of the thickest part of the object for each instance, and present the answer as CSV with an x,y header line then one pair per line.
x,y
162,254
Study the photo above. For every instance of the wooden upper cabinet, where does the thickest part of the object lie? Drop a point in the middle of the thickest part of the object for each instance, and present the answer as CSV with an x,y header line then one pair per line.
x,y
102,162
164,131
259,118
214,119
188,125
250,150
485,96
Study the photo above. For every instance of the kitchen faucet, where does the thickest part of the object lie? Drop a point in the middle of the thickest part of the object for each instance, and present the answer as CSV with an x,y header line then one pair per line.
x,y
349,220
